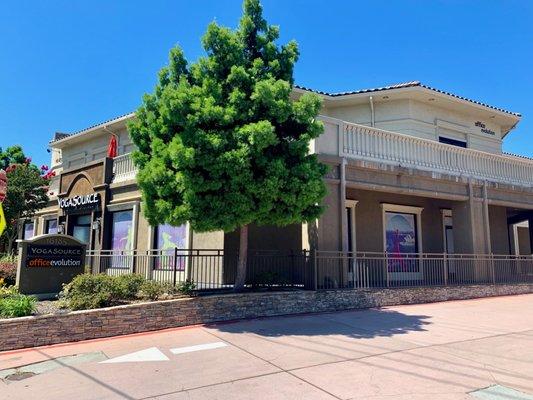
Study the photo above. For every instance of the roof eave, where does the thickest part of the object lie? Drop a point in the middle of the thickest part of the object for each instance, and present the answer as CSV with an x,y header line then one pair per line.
x,y
81,134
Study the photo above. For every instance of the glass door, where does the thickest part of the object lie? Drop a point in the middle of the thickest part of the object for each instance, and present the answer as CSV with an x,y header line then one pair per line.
x,y
449,247
352,273
81,228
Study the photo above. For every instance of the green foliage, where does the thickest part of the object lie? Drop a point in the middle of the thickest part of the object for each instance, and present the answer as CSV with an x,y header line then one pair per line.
x,y
152,290
8,269
96,291
26,193
8,291
12,155
220,142
126,287
186,287
89,291
14,304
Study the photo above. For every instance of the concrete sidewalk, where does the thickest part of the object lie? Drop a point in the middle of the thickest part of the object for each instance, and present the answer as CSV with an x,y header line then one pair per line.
x,y
431,351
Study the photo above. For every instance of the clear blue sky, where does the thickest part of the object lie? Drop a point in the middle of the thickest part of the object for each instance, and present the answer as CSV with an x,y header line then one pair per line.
x,y
66,65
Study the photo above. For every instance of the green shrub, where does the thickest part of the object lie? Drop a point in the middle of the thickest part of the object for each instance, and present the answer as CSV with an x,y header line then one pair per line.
x,y
186,287
17,305
88,291
8,291
152,290
8,269
126,287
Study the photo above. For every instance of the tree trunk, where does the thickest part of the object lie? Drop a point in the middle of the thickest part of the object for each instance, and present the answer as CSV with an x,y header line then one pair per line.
x,y
11,238
10,241
240,279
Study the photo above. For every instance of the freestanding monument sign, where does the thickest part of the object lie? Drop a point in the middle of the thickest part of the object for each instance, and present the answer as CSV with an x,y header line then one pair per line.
x,y
46,262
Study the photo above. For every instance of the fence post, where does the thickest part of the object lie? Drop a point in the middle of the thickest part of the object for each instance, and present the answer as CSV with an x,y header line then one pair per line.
x,y
492,268
292,271
445,269
133,262
387,268
315,271
175,266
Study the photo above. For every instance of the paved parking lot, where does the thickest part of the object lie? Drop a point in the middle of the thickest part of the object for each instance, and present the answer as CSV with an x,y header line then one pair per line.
x,y
435,351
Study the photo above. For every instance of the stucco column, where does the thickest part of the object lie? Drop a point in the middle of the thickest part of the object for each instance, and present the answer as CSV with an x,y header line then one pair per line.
x,y
329,237
470,220
329,223
342,208
486,220
530,228
470,224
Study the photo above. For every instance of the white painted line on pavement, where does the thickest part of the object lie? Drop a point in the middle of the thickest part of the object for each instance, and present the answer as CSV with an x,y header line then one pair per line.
x,y
150,354
199,347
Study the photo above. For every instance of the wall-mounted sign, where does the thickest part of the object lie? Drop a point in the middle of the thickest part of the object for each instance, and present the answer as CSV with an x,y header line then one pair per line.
x,y
484,129
82,201
46,262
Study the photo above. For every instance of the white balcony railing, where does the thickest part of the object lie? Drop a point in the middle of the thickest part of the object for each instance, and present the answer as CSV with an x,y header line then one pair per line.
x,y
363,142
371,144
123,168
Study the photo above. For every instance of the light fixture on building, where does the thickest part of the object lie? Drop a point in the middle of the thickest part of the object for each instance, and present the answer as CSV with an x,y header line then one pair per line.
x,y
96,224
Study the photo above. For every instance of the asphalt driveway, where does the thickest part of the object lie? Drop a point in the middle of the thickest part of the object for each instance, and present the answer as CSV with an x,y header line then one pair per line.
x,y
437,351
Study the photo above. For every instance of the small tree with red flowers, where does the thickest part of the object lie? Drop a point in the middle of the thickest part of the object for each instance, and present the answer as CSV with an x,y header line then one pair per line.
x,y
26,192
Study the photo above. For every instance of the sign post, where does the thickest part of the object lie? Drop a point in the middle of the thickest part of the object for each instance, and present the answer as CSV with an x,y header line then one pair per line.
x,y
3,222
46,262
3,194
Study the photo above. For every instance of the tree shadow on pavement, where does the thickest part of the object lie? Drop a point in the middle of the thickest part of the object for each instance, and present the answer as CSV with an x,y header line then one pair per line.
x,y
354,324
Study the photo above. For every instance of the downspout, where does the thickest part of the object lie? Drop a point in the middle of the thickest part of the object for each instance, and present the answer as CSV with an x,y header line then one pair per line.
x,y
108,173
342,206
372,118
488,244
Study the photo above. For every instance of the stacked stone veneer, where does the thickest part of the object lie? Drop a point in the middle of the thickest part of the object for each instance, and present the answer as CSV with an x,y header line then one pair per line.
x,y
79,325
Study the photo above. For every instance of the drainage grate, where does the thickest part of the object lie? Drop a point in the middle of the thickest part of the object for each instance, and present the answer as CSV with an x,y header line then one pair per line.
x,y
18,376
498,392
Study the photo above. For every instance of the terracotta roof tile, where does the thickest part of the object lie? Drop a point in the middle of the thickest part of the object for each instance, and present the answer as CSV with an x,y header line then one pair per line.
x,y
334,94
406,85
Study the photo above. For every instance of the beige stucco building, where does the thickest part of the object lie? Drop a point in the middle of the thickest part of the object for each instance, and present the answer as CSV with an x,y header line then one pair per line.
x,y
412,170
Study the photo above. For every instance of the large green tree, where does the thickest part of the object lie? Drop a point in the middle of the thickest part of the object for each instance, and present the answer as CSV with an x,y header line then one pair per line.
x,y
221,144
12,155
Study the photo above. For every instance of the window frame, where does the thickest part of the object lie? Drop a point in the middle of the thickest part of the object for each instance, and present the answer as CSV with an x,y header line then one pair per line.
x,y
417,212
152,237
34,229
130,205
46,221
453,142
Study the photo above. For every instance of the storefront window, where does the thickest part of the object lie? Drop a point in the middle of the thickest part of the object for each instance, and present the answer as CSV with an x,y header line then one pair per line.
x,y
401,241
122,231
27,232
166,239
81,227
50,226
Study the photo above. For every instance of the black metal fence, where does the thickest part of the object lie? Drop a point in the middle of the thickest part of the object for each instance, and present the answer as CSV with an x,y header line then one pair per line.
x,y
382,270
211,269
207,268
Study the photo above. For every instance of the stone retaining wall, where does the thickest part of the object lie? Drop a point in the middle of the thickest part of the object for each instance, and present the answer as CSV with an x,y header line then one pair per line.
x,y
80,325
